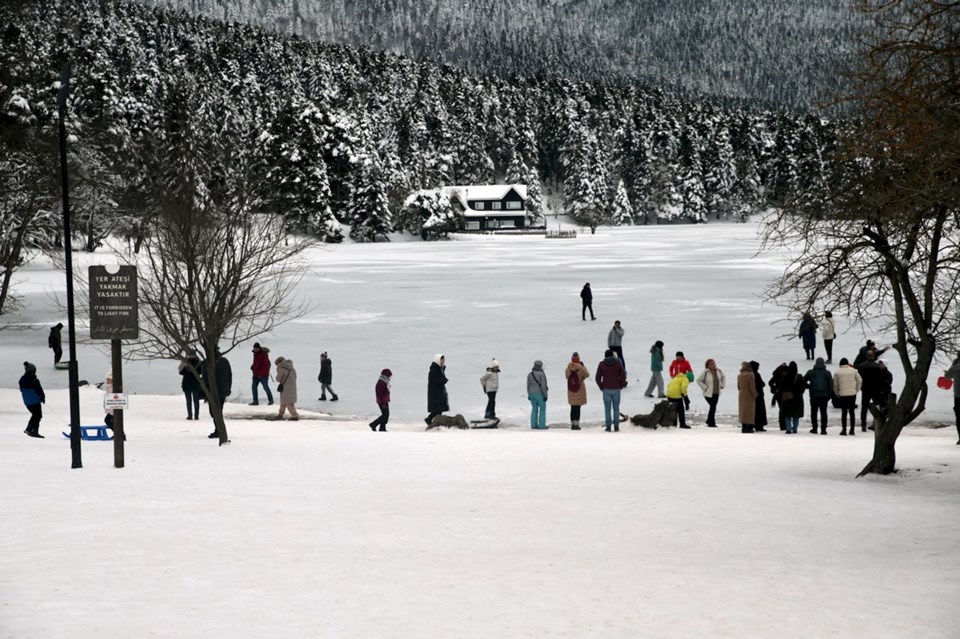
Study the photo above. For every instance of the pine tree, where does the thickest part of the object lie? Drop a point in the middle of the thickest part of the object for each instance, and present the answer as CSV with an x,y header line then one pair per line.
x,y
368,212
519,173
621,209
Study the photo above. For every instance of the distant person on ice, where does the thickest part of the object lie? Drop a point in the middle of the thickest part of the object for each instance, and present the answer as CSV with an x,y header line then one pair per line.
x,y
615,342
490,382
656,370
611,378
382,392
586,295
33,397
954,373
326,378
808,333
287,387
576,374
55,342
437,400
261,373
828,331
537,394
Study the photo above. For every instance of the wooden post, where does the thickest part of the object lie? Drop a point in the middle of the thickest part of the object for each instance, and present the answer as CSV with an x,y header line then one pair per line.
x,y
118,432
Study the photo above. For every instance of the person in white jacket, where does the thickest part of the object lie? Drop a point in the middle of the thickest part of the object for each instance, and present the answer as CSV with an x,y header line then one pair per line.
x,y
846,385
828,331
711,381
490,381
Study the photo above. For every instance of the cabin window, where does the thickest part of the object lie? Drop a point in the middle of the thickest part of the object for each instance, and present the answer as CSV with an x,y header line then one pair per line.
x,y
516,206
492,224
507,224
495,206
473,226
479,206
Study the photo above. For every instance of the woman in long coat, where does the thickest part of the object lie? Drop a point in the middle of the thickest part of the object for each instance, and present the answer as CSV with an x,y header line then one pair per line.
x,y
760,415
287,385
576,398
437,402
747,404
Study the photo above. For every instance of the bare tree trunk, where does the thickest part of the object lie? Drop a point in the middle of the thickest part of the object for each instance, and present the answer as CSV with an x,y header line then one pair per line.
x,y
887,426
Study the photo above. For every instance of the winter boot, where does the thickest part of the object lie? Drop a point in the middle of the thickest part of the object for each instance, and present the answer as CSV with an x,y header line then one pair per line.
x,y
746,429
334,398
575,426
383,429
254,403
322,398
813,430
823,430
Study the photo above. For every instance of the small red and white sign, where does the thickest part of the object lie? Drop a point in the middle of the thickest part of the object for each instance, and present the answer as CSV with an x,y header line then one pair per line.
x,y
115,401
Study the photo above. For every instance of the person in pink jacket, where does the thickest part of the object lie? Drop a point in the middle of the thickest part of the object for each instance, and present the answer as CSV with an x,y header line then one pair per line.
x,y
382,390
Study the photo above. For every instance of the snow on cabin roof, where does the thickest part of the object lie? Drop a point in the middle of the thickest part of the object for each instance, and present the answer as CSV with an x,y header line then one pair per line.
x,y
471,193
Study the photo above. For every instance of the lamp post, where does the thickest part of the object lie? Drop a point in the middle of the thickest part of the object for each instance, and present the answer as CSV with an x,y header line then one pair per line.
x,y
68,261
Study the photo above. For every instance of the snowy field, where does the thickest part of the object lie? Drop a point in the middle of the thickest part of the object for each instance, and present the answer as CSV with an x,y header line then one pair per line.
x,y
322,528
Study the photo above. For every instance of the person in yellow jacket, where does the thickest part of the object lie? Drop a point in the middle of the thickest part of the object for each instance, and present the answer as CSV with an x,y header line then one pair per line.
x,y
677,395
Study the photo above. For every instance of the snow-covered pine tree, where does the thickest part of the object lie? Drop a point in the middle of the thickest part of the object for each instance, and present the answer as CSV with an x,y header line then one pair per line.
x,y
368,212
428,214
621,209
585,187
518,172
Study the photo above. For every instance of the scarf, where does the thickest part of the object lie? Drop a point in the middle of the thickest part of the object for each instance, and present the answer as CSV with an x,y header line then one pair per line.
x,y
386,380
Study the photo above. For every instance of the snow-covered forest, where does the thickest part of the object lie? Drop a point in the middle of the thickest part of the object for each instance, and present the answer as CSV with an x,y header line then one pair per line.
x,y
329,134
783,52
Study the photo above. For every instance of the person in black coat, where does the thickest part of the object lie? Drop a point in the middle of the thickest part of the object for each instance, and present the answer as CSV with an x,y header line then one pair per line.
x,y
190,385
33,396
777,380
586,295
437,402
326,378
55,342
872,387
760,412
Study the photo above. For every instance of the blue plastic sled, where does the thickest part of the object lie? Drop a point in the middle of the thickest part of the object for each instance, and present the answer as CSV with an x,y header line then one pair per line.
x,y
92,433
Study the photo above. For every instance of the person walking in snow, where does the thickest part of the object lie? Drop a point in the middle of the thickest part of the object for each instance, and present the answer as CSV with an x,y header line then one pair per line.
x,y
537,393
828,331
586,296
189,369
437,400
711,381
287,387
490,382
261,373
611,378
760,413
576,374
656,370
747,398
33,397
382,392
677,395
326,378
808,333
871,386
820,383
615,342
846,385
55,342
954,374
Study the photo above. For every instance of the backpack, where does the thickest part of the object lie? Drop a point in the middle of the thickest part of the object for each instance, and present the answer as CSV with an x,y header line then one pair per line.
x,y
574,381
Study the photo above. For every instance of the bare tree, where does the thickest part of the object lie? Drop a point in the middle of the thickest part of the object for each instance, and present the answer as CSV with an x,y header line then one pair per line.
x,y
27,210
208,283
881,243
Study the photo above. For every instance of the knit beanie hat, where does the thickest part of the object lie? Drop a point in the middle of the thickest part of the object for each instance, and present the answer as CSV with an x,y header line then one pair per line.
x,y
29,368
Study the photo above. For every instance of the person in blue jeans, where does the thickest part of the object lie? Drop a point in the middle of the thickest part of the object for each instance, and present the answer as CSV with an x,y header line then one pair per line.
x,y
537,393
611,378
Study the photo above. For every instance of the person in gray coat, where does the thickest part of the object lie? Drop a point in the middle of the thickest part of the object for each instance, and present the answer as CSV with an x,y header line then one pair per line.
x,y
537,394
615,342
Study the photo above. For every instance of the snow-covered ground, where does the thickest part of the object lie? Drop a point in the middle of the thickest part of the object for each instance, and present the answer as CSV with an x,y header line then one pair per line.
x,y
322,528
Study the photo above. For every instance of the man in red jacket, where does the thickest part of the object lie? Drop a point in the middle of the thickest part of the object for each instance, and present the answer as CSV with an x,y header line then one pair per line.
x,y
261,373
611,377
